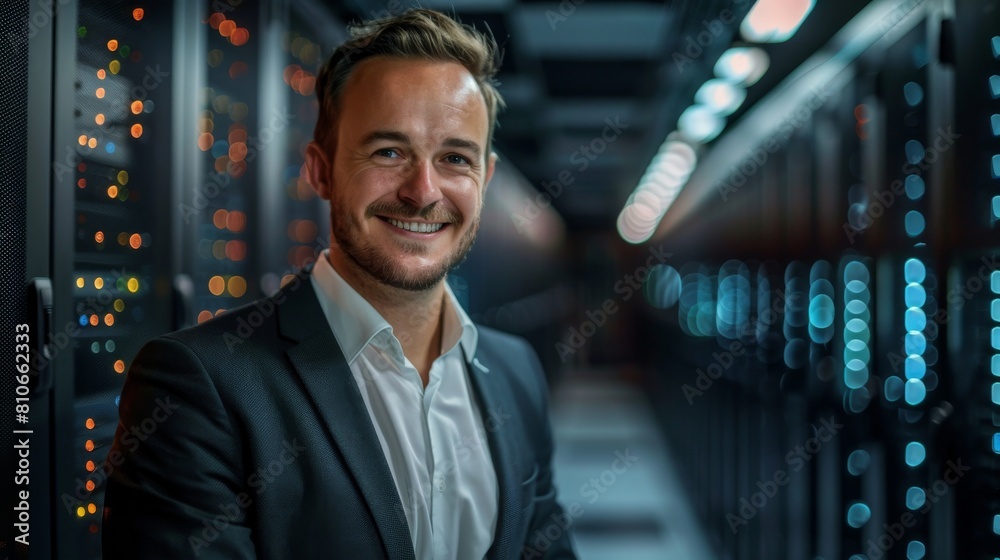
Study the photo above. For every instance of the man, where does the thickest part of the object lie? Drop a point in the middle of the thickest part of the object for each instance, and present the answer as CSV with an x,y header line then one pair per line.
x,y
365,416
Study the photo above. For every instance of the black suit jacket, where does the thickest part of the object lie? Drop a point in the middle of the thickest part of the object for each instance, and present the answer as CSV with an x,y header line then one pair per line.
x,y
247,437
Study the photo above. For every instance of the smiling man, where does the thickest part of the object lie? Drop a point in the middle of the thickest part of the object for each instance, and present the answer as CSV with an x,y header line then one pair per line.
x,y
366,417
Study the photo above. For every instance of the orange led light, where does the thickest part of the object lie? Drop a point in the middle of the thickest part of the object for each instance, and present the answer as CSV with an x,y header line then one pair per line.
x,y
99,237
136,130
236,221
99,118
92,142
94,320
91,508
89,446
82,139
216,285
219,218
237,286
138,13
101,74
89,423
99,93
81,182
90,486
205,141
136,107
204,315
109,319
113,45
135,241
227,27
239,36
119,366
90,466
112,191
216,19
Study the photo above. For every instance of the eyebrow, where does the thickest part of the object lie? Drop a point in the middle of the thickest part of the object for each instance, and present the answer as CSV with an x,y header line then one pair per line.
x,y
396,136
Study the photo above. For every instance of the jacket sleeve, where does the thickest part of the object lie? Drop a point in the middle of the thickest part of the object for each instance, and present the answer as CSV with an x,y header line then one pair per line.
x,y
176,480
549,518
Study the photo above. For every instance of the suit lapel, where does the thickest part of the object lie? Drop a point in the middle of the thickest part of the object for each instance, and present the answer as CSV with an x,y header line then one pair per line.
x,y
495,404
330,383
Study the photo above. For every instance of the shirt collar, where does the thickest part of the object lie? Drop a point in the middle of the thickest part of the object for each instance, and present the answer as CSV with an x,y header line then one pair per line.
x,y
355,323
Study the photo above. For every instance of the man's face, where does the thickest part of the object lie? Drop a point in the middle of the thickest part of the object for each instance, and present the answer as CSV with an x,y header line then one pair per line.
x,y
409,169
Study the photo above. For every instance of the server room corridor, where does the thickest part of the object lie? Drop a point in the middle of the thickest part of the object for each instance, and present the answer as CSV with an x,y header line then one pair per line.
x,y
749,250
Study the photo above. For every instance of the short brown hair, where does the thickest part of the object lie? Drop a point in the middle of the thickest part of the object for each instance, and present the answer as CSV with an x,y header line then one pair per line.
x,y
417,34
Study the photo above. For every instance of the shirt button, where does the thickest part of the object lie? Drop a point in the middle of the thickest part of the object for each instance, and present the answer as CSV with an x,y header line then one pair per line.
x,y
440,485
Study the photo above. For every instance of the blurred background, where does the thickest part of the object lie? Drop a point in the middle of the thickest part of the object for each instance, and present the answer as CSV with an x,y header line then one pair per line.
x,y
754,244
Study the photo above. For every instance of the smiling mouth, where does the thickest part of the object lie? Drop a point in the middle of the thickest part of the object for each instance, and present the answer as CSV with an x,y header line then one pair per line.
x,y
415,227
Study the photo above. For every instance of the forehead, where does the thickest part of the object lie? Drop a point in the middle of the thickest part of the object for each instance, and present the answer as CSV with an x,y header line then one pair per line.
x,y
384,91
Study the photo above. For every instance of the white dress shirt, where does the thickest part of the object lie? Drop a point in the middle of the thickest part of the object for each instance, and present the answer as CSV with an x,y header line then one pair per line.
x,y
433,437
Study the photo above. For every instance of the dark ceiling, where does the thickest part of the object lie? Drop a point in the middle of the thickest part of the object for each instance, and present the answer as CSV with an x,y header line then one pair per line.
x,y
572,67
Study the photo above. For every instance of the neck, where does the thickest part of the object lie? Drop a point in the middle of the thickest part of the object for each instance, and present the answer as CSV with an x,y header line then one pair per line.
x,y
415,316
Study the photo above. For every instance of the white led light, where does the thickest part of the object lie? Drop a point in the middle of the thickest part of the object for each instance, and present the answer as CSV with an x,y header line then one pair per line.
x,y
722,96
774,21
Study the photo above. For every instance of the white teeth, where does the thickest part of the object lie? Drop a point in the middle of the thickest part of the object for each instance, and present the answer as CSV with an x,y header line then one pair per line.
x,y
417,227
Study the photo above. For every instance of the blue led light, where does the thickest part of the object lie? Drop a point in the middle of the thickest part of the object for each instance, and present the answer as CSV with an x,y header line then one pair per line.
x,y
995,124
996,524
915,319
913,93
996,393
914,187
856,271
95,347
915,453
109,147
914,151
914,223
821,311
914,295
996,207
914,343
915,497
893,388
83,320
915,392
995,86
995,43
995,281
858,462
915,550
996,443
914,271
220,148
855,374
856,307
995,365
995,166
118,399
914,367
995,337
858,514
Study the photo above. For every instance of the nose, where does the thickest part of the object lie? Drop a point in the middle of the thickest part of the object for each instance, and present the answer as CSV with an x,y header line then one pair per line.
x,y
420,189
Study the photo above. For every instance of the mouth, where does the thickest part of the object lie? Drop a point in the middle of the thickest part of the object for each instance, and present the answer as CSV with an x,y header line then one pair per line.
x,y
420,228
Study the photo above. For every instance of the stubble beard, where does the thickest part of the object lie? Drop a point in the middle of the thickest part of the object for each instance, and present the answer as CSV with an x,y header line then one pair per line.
x,y
364,253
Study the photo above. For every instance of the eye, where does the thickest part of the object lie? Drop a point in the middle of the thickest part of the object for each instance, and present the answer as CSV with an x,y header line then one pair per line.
x,y
387,153
457,159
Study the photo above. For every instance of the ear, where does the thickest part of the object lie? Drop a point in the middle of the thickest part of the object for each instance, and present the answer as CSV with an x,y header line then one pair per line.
x,y
318,168
490,168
